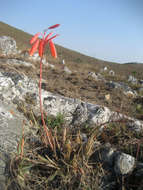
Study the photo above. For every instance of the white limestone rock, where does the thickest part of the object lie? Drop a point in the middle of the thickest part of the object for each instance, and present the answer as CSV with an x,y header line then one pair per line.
x,y
8,45
124,164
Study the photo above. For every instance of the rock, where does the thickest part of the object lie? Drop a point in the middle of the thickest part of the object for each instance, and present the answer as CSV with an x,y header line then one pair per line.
x,y
67,70
14,85
2,173
48,64
111,84
98,115
121,85
11,123
136,125
14,88
112,73
121,163
140,90
141,82
92,74
54,104
108,182
97,77
75,111
139,169
8,45
19,62
108,97
105,69
63,62
44,61
104,154
130,94
81,113
124,164
132,79
116,164
10,127
126,89
139,174
35,57
51,66
84,137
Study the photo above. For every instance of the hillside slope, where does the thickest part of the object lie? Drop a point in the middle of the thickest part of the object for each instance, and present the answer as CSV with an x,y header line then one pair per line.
x,y
71,57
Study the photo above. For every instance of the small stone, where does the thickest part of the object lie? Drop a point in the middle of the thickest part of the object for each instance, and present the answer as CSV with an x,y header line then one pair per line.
x,y
66,69
132,79
130,94
107,97
112,73
124,164
105,69
52,66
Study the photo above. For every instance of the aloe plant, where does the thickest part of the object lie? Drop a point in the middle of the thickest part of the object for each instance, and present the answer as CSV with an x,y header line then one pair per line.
x,y
39,44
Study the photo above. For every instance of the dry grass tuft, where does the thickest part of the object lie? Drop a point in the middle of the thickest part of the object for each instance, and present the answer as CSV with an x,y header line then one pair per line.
x,y
70,164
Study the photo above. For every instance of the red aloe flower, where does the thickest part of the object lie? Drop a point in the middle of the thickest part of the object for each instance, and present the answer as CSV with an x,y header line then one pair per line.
x,y
53,49
41,44
34,38
41,48
34,47
35,41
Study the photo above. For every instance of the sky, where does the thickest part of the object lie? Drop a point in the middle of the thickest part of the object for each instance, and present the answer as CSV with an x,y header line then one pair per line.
x,y
110,30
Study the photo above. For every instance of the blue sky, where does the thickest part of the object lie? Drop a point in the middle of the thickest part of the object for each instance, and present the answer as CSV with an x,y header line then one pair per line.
x,y
111,30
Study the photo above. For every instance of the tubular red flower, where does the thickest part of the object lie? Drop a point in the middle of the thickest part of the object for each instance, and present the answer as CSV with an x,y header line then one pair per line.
x,y
52,49
34,38
54,26
34,47
41,47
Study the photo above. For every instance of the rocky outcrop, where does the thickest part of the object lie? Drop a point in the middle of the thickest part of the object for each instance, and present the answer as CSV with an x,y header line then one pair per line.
x,y
15,87
117,164
7,45
97,76
15,62
11,123
132,79
121,85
